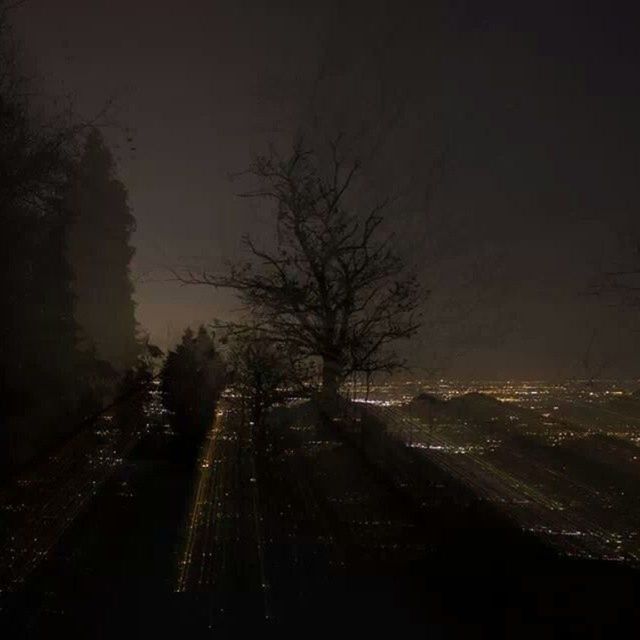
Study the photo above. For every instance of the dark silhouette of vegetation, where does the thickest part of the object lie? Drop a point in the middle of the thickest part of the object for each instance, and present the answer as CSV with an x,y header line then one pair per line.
x,y
100,253
40,372
192,379
49,383
264,374
333,288
132,391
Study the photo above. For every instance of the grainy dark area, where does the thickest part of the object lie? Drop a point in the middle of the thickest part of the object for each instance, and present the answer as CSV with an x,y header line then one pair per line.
x,y
319,318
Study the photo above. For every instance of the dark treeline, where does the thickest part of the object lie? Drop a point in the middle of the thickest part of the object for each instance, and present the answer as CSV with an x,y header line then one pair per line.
x,y
68,328
264,374
99,252
260,373
192,379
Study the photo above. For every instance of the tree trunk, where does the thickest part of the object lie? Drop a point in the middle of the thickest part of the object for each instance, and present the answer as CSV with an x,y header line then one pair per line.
x,y
330,378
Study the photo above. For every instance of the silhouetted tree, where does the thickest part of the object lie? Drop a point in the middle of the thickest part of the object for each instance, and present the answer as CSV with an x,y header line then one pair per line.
x,y
192,379
332,287
47,385
100,254
133,389
39,368
264,374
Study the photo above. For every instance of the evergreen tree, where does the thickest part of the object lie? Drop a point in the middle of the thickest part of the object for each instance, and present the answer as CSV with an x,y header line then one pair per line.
x,y
192,380
100,254
39,377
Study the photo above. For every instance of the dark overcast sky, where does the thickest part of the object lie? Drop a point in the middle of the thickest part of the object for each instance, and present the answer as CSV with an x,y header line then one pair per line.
x,y
536,104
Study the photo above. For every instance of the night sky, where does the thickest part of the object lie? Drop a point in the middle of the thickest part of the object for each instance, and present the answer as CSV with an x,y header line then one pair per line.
x,y
533,106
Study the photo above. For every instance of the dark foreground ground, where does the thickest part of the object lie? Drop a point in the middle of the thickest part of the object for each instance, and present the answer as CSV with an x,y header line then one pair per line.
x,y
323,532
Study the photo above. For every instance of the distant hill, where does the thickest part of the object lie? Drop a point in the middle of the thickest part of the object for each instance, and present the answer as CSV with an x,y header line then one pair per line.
x,y
584,456
429,399
478,409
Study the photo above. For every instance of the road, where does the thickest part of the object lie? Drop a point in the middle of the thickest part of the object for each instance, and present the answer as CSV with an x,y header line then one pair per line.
x,y
222,553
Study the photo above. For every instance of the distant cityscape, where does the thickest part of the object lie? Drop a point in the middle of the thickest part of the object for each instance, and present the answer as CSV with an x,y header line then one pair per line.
x,y
561,458
537,394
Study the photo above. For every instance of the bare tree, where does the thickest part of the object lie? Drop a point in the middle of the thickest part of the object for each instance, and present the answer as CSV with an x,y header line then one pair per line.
x,y
333,288
264,373
39,135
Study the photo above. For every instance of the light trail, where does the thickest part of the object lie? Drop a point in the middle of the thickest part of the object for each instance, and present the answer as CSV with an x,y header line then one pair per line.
x,y
197,516
259,541
223,550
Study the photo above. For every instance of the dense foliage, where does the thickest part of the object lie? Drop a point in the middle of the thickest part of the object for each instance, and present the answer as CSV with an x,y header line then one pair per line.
x,y
264,374
50,379
192,379
100,253
39,367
